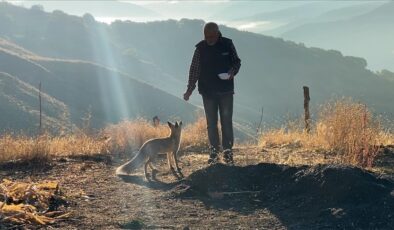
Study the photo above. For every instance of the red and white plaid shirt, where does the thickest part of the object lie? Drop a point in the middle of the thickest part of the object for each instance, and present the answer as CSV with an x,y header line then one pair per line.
x,y
194,72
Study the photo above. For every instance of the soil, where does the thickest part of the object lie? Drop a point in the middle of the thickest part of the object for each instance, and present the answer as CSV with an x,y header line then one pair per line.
x,y
253,194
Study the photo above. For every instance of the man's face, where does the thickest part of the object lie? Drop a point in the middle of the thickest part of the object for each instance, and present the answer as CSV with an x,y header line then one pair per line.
x,y
211,37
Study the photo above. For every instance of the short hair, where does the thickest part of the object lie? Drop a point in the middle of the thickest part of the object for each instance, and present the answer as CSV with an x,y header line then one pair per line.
x,y
211,27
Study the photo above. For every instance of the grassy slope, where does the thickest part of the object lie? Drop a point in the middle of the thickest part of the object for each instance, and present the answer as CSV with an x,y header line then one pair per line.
x,y
20,107
84,86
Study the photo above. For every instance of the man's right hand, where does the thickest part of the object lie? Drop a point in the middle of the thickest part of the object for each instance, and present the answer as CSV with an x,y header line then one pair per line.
x,y
186,95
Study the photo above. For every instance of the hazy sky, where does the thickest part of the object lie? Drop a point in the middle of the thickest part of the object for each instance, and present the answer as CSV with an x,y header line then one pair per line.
x,y
243,15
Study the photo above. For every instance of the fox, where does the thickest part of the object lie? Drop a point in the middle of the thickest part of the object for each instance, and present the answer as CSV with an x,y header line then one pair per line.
x,y
150,150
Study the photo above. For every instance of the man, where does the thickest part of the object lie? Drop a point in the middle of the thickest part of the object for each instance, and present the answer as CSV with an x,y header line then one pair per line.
x,y
213,56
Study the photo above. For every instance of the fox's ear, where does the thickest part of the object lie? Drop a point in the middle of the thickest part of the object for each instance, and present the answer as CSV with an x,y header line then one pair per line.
x,y
169,124
180,123
176,124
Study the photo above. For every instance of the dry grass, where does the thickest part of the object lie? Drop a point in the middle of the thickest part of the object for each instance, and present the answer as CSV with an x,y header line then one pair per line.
x,y
123,138
293,138
351,130
344,127
43,147
22,147
386,138
128,136
195,134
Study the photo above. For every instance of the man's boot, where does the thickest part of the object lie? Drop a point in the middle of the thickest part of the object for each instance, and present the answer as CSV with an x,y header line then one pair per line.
x,y
228,156
213,155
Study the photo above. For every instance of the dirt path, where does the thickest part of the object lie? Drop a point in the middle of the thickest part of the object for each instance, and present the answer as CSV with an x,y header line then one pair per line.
x,y
101,200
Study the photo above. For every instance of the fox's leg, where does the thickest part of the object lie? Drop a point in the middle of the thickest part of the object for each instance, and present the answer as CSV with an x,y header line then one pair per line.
x,y
170,165
176,162
151,166
146,169
154,170
169,162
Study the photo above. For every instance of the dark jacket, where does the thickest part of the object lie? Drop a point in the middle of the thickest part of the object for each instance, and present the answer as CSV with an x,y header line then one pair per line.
x,y
216,59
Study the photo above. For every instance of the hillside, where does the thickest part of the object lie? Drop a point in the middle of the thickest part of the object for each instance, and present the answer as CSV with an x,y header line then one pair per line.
x,y
159,53
283,20
238,9
77,88
372,31
20,107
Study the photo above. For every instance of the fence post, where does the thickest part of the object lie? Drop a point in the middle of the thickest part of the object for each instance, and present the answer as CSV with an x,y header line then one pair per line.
x,y
306,109
261,120
39,98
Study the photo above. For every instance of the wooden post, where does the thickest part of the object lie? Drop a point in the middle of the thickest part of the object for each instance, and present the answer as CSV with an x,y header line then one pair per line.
x,y
39,98
306,109
261,120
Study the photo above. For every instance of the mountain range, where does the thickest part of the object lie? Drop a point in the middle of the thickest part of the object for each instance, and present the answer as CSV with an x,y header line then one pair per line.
x,y
368,35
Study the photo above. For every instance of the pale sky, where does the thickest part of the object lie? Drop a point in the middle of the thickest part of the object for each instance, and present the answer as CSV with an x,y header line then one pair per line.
x,y
237,14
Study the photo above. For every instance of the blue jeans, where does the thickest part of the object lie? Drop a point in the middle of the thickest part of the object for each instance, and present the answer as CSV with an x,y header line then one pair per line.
x,y
222,103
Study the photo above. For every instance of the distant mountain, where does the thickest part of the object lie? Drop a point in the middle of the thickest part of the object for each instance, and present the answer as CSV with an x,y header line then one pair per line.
x,y
349,11
369,35
73,88
386,75
188,9
241,9
310,12
159,53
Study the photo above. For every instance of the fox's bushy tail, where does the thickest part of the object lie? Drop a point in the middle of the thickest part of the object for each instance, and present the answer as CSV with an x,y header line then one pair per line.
x,y
132,164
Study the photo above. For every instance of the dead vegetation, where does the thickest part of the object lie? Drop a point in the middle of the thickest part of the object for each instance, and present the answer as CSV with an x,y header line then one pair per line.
x,y
122,138
344,127
29,204
128,136
44,147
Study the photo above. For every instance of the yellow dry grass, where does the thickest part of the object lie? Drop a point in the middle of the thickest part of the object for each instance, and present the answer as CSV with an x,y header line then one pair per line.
x,y
43,147
344,127
128,136
386,138
195,134
296,138
122,138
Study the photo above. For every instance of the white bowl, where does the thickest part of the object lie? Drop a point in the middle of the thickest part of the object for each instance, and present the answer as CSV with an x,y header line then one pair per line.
x,y
224,76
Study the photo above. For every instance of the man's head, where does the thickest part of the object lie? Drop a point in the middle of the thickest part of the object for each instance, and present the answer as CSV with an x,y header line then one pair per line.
x,y
211,33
